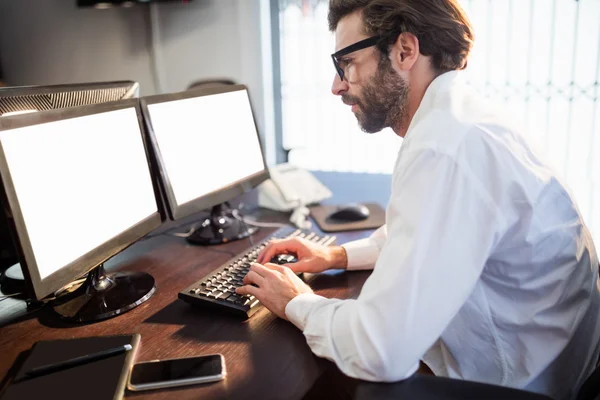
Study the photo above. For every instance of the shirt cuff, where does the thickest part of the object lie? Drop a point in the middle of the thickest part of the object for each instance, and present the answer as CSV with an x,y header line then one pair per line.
x,y
298,309
362,254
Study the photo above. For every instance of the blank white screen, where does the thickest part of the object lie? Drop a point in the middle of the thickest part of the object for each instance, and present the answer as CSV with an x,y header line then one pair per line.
x,y
206,143
79,182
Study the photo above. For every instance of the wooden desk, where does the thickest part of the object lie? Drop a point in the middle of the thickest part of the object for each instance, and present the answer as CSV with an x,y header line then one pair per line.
x,y
266,357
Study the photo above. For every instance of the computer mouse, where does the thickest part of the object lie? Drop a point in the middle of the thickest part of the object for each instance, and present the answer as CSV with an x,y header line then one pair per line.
x,y
350,213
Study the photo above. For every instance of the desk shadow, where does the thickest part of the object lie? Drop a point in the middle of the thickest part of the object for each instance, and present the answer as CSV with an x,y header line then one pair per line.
x,y
6,320
203,325
336,279
12,372
281,366
47,317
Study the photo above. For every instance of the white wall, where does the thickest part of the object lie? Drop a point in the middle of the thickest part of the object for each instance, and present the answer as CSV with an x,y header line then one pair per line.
x,y
52,41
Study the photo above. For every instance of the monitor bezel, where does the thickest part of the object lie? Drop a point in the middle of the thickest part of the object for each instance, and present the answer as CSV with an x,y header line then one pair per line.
x,y
13,91
214,198
38,287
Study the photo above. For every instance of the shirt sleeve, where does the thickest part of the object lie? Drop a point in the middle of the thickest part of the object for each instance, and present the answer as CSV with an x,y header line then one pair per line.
x,y
441,227
363,253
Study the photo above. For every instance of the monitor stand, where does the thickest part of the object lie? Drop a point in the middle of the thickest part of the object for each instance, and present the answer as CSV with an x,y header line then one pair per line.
x,y
221,226
12,281
104,295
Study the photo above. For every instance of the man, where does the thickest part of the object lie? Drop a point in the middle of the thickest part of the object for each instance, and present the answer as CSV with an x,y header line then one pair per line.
x,y
484,269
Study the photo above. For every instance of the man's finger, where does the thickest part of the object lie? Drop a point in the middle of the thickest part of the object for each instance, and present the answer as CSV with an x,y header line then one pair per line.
x,y
269,252
280,246
300,266
253,277
264,253
273,267
260,269
248,289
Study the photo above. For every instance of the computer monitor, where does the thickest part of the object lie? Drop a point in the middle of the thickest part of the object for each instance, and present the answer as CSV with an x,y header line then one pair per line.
x,y
23,99
207,151
77,189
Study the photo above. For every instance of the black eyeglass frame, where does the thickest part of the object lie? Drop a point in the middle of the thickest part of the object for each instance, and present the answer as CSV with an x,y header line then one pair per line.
x,y
363,44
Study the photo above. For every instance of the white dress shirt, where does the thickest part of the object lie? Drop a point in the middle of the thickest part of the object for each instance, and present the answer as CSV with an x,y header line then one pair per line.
x,y
484,269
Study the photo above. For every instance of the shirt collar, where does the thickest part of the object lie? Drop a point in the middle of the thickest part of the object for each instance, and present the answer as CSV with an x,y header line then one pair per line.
x,y
440,84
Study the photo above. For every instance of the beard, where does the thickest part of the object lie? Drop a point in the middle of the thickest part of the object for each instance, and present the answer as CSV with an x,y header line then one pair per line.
x,y
384,101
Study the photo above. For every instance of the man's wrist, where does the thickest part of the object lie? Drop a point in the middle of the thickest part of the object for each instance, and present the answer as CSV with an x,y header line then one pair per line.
x,y
339,257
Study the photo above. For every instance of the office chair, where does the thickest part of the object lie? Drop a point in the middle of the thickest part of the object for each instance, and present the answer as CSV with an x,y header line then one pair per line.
x,y
208,83
333,384
445,388
590,390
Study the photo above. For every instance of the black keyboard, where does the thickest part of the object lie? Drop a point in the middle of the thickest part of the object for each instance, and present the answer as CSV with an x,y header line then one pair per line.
x,y
217,290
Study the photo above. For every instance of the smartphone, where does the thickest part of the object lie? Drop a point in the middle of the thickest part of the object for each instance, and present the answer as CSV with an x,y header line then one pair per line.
x,y
177,372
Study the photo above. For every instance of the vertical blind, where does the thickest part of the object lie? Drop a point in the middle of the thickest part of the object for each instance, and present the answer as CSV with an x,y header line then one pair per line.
x,y
540,58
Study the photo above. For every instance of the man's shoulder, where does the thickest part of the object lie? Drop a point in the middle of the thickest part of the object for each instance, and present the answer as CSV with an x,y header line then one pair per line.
x,y
479,135
462,119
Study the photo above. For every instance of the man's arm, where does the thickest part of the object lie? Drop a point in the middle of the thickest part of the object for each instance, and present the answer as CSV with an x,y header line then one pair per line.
x,y
441,228
315,258
363,253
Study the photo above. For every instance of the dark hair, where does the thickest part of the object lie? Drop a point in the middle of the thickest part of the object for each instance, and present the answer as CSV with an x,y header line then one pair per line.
x,y
441,26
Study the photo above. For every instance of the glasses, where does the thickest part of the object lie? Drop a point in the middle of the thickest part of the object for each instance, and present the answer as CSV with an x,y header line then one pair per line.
x,y
363,44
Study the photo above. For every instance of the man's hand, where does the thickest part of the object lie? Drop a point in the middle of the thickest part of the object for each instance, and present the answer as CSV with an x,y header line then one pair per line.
x,y
276,286
312,257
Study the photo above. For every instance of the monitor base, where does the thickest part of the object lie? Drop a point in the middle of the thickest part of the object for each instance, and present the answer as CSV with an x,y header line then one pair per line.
x,y
220,227
104,295
12,281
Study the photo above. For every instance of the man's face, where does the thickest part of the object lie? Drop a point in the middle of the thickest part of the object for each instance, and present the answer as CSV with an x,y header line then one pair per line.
x,y
377,94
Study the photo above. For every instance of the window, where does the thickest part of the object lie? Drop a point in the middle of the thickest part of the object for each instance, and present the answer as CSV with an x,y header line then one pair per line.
x,y
540,57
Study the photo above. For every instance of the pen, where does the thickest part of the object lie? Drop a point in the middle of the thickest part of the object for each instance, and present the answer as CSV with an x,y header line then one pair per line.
x,y
73,362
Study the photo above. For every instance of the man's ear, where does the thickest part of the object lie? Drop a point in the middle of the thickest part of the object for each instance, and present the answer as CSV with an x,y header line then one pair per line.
x,y
405,51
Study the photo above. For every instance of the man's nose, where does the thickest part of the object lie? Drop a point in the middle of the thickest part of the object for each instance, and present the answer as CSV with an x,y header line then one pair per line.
x,y
339,86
